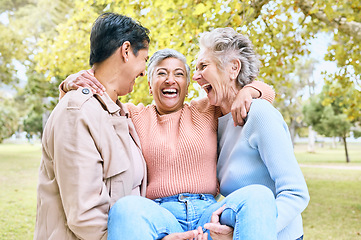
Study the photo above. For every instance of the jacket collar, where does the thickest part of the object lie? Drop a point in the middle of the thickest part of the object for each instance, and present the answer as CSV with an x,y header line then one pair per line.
x,y
112,107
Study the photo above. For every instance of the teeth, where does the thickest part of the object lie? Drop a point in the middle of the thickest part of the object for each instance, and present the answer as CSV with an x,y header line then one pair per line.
x,y
169,90
206,85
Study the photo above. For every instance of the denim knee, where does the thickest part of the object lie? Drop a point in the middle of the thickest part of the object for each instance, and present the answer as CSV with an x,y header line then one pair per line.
x,y
258,192
125,205
251,194
250,199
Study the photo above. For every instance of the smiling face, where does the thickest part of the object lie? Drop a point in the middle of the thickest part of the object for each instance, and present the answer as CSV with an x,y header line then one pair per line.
x,y
135,69
213,80
169,85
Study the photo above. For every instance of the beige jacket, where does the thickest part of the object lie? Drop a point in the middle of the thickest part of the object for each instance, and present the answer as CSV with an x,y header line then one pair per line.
x,y
86,167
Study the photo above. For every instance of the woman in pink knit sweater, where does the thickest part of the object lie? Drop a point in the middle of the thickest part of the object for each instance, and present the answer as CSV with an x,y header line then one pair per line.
x,y
179,143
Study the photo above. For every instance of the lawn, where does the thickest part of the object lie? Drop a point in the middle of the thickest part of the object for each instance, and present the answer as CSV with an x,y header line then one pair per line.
x,y
18,173
334,211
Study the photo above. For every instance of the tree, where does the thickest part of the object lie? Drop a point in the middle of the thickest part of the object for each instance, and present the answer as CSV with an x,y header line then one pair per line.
x,y
176,24
343,19
54,37
9,120
328,117
26,22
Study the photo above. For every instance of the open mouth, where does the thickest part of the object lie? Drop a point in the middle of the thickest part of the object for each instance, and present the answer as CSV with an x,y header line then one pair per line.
x,y
207,87
171,92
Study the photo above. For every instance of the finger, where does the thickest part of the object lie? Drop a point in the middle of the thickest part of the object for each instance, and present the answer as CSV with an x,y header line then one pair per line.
x,y
91,71
89,74
86,80
94,87
202,236
220,210
83,85
181,236
188,235
234,115
243,113
248,105
199,233
216,214
72,86
240,121
218,228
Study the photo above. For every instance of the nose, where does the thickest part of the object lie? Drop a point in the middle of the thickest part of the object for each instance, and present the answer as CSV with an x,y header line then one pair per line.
x,y
170,79
196,76
142,74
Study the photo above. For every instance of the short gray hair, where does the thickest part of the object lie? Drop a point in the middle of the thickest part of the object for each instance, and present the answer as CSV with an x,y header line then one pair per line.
x,y
160,55
225,45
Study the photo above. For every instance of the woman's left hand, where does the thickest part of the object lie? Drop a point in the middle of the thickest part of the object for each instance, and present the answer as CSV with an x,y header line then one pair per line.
x,y
189,235
242,104
216,229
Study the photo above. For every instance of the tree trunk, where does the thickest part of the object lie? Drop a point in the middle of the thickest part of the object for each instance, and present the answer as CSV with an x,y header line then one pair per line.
x,y
333,144
311,140
292,129
345,144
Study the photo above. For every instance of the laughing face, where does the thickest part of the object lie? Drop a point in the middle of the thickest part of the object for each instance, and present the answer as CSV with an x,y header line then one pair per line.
x,y
169,85
211,79
138,63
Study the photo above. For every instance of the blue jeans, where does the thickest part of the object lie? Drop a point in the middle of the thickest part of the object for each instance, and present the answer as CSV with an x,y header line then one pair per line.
x,y
251,211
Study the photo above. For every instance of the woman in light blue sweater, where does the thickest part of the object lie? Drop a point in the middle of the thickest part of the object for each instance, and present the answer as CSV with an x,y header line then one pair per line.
x,y
260,152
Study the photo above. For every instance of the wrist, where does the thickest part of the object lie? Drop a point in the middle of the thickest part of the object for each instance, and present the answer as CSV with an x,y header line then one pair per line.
x,y
254,92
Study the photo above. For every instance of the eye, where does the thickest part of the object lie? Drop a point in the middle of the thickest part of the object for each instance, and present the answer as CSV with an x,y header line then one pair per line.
x,y
201,66
161,73
179,74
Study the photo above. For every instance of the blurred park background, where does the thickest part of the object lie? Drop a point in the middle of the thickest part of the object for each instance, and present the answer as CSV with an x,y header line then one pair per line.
x,y
310,52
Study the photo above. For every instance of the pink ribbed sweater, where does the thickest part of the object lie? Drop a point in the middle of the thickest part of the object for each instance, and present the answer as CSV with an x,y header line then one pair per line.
x,y
181,148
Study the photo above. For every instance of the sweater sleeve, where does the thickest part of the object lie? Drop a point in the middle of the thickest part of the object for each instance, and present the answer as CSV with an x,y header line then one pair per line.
x,y
270,136
265,90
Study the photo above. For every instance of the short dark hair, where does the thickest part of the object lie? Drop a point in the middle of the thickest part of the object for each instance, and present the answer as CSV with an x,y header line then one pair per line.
x,y
110,31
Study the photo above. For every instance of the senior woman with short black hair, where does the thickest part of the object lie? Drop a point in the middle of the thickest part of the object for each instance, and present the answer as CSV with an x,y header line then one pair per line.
x,y
90,156
261,151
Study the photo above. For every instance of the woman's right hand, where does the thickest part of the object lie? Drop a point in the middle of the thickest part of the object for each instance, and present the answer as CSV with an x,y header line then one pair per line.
x,y
84,78
216,229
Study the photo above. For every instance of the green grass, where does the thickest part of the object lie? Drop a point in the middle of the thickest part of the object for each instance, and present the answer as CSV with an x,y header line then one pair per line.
x,y
18,180
334,211
326,154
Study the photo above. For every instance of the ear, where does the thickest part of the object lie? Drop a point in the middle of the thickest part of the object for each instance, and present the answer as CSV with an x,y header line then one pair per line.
x,y
125,50
235,67
150,88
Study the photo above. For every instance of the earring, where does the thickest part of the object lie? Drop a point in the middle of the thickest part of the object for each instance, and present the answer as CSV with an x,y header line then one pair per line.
x,y
150,93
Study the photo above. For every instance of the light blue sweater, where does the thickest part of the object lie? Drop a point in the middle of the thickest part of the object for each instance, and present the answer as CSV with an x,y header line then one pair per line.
x,y
261,152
